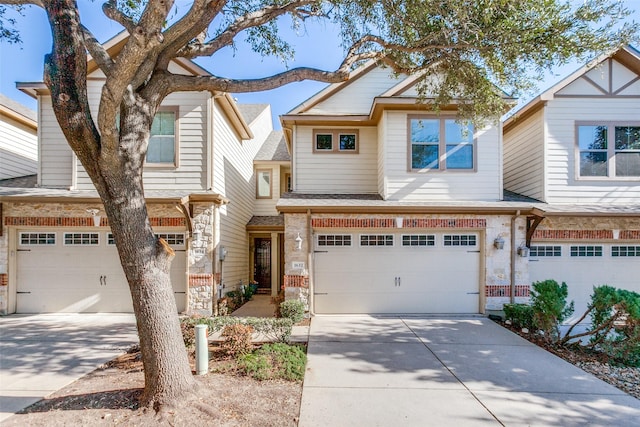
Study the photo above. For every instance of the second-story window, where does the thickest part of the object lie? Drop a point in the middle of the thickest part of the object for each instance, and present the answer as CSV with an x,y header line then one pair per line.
x,y
263,183
440,144
609,150
335,141
163,140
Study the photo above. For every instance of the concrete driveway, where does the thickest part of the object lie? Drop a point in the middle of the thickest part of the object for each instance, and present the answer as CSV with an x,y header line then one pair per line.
x,y
383,371
40,354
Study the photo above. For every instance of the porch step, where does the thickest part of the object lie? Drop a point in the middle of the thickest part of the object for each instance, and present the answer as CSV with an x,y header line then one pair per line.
x,y
263,291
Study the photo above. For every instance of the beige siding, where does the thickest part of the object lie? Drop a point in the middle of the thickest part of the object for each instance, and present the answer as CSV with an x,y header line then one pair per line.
x,y
267,207
382,138
356,97
234,179
484,184
524,157
56,157
336,173
18,149
562,158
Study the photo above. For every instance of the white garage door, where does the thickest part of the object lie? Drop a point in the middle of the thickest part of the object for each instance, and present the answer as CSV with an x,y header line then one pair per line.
x,y
582,266
396,273
80,272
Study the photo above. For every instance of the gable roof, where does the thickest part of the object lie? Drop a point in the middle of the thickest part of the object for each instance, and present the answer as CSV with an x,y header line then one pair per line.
x,y
274,148
627,56
250,112
18,112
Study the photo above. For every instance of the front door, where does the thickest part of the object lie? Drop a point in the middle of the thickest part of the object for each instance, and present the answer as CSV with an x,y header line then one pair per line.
x,y
262,264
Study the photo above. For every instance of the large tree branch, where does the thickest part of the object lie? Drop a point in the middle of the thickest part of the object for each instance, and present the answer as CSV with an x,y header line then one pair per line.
x,y
97,51
39,3
111,11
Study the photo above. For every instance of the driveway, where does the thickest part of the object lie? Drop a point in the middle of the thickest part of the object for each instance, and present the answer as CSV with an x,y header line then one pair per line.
x,y
408,371
40,354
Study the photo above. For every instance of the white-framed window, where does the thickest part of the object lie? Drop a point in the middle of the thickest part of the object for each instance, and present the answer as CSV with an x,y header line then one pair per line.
x,y
335,141
440,144
81,239
37,239
163,142
172,239
334,240
608,150
625,251
263,184
418,240
460,240
545,251
376,240
586,251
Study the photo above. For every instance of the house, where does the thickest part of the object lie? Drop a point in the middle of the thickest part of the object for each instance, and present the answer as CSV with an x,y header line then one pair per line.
x,y
56,250
18,143
397,209
576,148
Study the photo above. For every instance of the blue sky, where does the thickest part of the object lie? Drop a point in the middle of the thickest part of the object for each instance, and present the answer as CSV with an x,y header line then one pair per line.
x,y
317,45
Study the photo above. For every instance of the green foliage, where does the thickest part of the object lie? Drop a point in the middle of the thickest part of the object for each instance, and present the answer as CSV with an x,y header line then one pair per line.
x,y
237,339
550,308
271,328
275,361
235,300
521,315
277,300
248,293
187,327
292,309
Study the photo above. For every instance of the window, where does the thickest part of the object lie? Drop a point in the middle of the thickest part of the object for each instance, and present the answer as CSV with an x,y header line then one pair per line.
x,y
609,150
172,239
33,239
418,240
376,240
459,240
586,251
334,240
335,141
440,144
288,183
81,239
263,184
163,140
546,251
625,251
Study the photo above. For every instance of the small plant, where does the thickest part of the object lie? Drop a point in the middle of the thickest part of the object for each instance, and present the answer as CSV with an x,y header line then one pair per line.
x,y
520,315
550,308
272,328
275,361
234,300
187,327
248,293
277,300
292,309
237,339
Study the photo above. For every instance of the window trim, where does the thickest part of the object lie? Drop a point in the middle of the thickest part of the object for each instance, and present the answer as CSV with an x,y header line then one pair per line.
x,y
442,146
81,243
611,150
176,140
270,172
335,140
50,234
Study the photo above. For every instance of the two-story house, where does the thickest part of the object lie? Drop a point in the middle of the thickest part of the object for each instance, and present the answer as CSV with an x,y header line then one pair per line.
x,y
18,143
395,208
56,250
576,148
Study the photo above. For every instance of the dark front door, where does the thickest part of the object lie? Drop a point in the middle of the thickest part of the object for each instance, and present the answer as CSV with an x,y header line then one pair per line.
x,y
262,263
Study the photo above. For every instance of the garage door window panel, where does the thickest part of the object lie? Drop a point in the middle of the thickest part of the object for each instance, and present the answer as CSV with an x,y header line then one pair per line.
x,y
586,251
625,251
334,240
37,239
545,251
376,240
418,240
460,240
81,239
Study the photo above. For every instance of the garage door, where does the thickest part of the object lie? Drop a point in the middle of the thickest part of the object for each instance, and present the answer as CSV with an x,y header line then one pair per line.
x,y
396,273
80,272
582,266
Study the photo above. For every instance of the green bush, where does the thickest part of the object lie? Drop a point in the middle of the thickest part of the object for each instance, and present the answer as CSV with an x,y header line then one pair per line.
x,y
187,327
237,339
275,361
550,308
272,328
520,315
292,309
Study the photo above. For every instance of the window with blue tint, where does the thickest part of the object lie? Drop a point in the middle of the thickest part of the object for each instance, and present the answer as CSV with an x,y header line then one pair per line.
x,y
608,150
441,144
162,143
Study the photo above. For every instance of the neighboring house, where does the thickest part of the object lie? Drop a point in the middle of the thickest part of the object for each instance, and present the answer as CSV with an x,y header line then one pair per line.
x,y
56,250
576,147
18,144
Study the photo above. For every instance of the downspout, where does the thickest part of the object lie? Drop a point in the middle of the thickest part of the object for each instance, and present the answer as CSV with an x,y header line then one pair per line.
x,y
512,290
310,262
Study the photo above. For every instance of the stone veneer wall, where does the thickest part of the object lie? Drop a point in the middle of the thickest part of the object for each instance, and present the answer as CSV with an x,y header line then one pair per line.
x,y
203,281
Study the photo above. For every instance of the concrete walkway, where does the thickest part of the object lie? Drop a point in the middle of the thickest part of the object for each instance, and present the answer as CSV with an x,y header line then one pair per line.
x,y
257,306
40,354
382,371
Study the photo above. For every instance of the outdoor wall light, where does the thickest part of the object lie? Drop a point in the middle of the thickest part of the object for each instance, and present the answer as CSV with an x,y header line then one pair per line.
x,y
96,217
298,243
499,243
523,251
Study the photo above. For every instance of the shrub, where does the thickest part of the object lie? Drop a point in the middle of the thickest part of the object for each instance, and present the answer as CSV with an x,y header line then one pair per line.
x,y
275,361
277,300
234,300
187,327
271,328
237,339
292,309
248,293
521,315
550,308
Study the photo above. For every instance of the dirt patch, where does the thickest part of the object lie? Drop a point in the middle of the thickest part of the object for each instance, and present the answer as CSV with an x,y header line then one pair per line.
x,y
109,396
